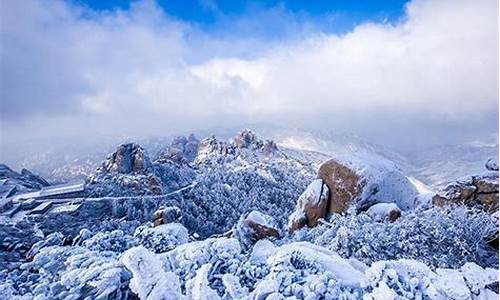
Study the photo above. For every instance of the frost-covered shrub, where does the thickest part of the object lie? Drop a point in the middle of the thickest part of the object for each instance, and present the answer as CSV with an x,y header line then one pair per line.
x,y
437,237
53,239
410,279
115,240
58,272
150,280
226,191
127,226
223,254
162,238
306,271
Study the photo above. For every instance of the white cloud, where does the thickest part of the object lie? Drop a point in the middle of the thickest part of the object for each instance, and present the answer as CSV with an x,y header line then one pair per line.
x,y
434,75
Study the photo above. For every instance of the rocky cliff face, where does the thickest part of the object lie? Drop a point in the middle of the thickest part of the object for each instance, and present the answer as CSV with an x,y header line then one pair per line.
x,y
128,159
127,171
12,182
181,150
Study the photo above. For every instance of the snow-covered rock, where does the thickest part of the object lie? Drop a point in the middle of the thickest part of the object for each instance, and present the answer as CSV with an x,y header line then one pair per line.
x,y
245,143
128,158
319,258
255,226
181,150
127,171
384,211
149,280
198,288
261,251
12,182
167,215
262,225
476,190
409,279
492,164
233,288
311,206
362,181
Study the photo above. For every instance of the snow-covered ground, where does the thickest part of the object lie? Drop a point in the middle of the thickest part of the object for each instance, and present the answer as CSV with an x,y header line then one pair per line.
x,y
209,252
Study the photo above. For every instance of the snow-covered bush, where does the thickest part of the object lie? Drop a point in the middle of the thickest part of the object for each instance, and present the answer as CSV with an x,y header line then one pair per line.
x,y
224,192
223,254
162,238
58,272
53,239
115,240
410,279
150,280
438,237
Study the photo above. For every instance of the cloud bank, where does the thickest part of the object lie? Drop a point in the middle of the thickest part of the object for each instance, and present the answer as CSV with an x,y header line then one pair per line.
x,y
69,71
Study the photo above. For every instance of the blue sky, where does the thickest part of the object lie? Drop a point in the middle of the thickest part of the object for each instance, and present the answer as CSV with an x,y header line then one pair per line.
x,y
334,16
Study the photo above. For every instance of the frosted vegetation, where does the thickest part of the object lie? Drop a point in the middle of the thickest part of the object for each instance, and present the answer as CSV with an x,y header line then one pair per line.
x,y
210,252
418,256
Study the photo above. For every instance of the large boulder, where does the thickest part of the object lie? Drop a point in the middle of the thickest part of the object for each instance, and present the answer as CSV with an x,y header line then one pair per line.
x,y
344,184
311,206
262,225
364,181
253,227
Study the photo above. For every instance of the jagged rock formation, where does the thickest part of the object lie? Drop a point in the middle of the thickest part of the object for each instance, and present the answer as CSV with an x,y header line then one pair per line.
x,y
128,170
181,150
247,139
477,190
245,143
212,146
311,206
12,182
128,158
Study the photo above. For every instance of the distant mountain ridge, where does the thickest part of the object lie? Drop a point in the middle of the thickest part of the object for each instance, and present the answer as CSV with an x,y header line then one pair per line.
x,y
435,166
